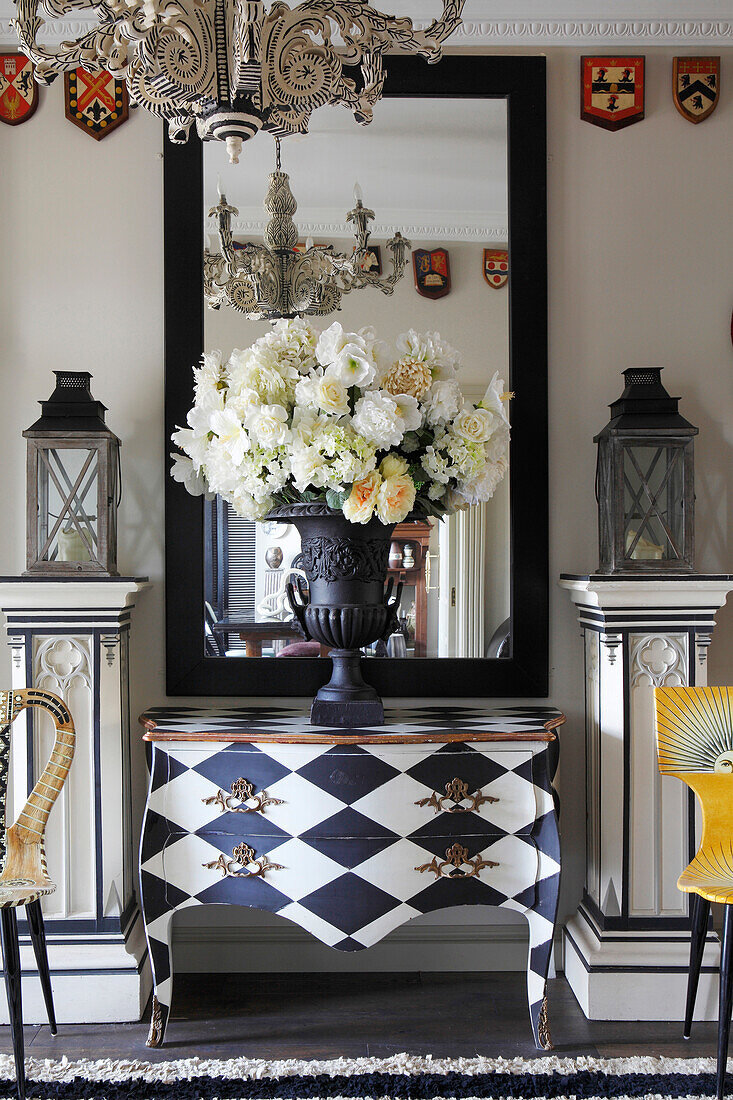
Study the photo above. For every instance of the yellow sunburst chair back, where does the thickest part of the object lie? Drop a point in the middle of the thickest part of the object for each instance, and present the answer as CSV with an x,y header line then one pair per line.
x,y
695,743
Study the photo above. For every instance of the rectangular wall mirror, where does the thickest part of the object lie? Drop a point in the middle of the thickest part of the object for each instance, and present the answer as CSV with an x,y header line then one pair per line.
x,y
454,159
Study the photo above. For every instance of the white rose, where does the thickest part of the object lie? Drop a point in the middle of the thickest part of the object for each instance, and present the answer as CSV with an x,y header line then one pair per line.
x,y
353,366
392,465
409,410
475,425
269,425
332,395
377,420
442,402
359,505
309,468
246,506
395,498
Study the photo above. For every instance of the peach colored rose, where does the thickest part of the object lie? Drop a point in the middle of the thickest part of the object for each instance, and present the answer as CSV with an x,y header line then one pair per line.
x,y
359,505
395,498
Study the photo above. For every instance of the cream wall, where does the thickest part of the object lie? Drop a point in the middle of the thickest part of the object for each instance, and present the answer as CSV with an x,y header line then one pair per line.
x,y
641,270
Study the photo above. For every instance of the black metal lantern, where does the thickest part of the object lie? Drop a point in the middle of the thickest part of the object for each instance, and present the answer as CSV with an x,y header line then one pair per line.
x,y
645,481
73,484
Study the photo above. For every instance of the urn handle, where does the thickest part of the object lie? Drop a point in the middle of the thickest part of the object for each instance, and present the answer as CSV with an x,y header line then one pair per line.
x,y
298,598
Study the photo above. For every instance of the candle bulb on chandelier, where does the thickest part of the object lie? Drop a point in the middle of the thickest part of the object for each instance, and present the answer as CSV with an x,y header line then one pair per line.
x,y
219,191
309,244
358,194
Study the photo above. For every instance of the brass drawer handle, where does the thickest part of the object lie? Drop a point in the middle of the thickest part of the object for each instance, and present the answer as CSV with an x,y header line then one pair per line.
x,y
456,791
249,865
456,858
242,791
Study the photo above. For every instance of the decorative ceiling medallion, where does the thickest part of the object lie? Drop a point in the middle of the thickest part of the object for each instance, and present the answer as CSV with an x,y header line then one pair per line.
x,y
612,91
696,86
496,266
18,89
95,102
432,272
232,67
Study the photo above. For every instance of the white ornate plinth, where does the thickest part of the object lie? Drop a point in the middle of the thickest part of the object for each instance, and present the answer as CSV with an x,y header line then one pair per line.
x,y
627,947
72,637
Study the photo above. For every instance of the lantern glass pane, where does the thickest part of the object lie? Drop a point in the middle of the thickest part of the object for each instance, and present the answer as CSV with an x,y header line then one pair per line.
x,y
68,525
653,511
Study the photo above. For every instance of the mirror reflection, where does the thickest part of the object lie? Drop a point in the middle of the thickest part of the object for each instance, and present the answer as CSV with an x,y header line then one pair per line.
x,y
434,170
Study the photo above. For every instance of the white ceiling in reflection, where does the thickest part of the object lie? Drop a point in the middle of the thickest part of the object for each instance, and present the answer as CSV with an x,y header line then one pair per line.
x,y
430,167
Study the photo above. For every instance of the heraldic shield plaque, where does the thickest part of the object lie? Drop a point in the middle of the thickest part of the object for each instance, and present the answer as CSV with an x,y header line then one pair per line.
x,y
696,86
612,91
432,272
18,89
95,102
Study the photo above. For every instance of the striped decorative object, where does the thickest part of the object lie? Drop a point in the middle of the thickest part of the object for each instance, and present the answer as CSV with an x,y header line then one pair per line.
x,y
694,729
24,877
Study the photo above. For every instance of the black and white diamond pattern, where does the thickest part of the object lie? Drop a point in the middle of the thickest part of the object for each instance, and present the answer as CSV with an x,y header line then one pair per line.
x,y
347,852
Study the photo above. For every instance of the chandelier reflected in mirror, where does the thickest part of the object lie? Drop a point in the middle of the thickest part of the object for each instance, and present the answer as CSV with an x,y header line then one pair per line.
x,y
273,280
231,66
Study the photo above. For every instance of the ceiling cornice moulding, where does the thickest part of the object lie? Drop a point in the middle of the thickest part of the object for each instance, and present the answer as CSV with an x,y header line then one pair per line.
x,y
503,32
325,230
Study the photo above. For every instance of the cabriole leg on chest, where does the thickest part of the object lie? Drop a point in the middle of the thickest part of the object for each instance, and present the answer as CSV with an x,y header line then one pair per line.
x,y
159,934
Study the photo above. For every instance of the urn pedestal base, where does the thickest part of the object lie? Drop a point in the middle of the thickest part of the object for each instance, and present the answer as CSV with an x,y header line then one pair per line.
x,y
347,700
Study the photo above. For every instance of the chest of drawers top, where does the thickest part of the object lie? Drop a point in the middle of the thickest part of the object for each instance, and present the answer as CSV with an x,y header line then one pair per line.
x,y
403,725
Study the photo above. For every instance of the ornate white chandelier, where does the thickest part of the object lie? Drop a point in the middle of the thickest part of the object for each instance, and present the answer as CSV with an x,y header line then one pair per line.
x,y
273,280
232,67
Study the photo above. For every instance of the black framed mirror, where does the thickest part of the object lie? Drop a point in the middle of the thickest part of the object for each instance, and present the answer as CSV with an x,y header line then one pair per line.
x,y
512,89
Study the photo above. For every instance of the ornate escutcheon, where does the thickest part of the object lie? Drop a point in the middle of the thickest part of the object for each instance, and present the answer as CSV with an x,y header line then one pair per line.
x,y
242,799
456,791
456,859
244,864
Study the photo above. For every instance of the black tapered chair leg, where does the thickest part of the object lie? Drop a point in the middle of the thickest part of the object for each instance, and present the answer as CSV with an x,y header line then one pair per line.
x,y
700,916
11,967
724,1003
38,939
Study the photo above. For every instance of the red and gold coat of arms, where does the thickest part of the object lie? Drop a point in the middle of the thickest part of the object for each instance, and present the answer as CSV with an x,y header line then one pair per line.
x,y
18,89
612,91
496,266
432,272
95,102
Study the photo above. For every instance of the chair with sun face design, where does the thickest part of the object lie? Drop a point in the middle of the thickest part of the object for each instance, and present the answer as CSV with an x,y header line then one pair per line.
x,y
695,743
24,878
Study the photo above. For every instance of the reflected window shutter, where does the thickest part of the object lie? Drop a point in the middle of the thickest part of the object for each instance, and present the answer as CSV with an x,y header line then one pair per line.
x,y
240,569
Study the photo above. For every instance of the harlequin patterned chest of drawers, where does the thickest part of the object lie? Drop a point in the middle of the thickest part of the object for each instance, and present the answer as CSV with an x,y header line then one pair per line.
x,y
351,833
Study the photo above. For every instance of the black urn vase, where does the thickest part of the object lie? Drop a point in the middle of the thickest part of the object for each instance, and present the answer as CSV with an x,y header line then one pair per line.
x,y
345,605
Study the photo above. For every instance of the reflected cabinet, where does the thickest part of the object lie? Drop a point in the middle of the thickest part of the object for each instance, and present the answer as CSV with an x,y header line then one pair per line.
x,y
455,161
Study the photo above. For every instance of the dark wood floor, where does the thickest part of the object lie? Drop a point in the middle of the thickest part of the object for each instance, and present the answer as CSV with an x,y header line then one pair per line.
x,y
327,1016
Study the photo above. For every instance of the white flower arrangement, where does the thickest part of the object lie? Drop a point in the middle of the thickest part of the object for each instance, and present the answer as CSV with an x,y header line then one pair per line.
x,y
308,416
